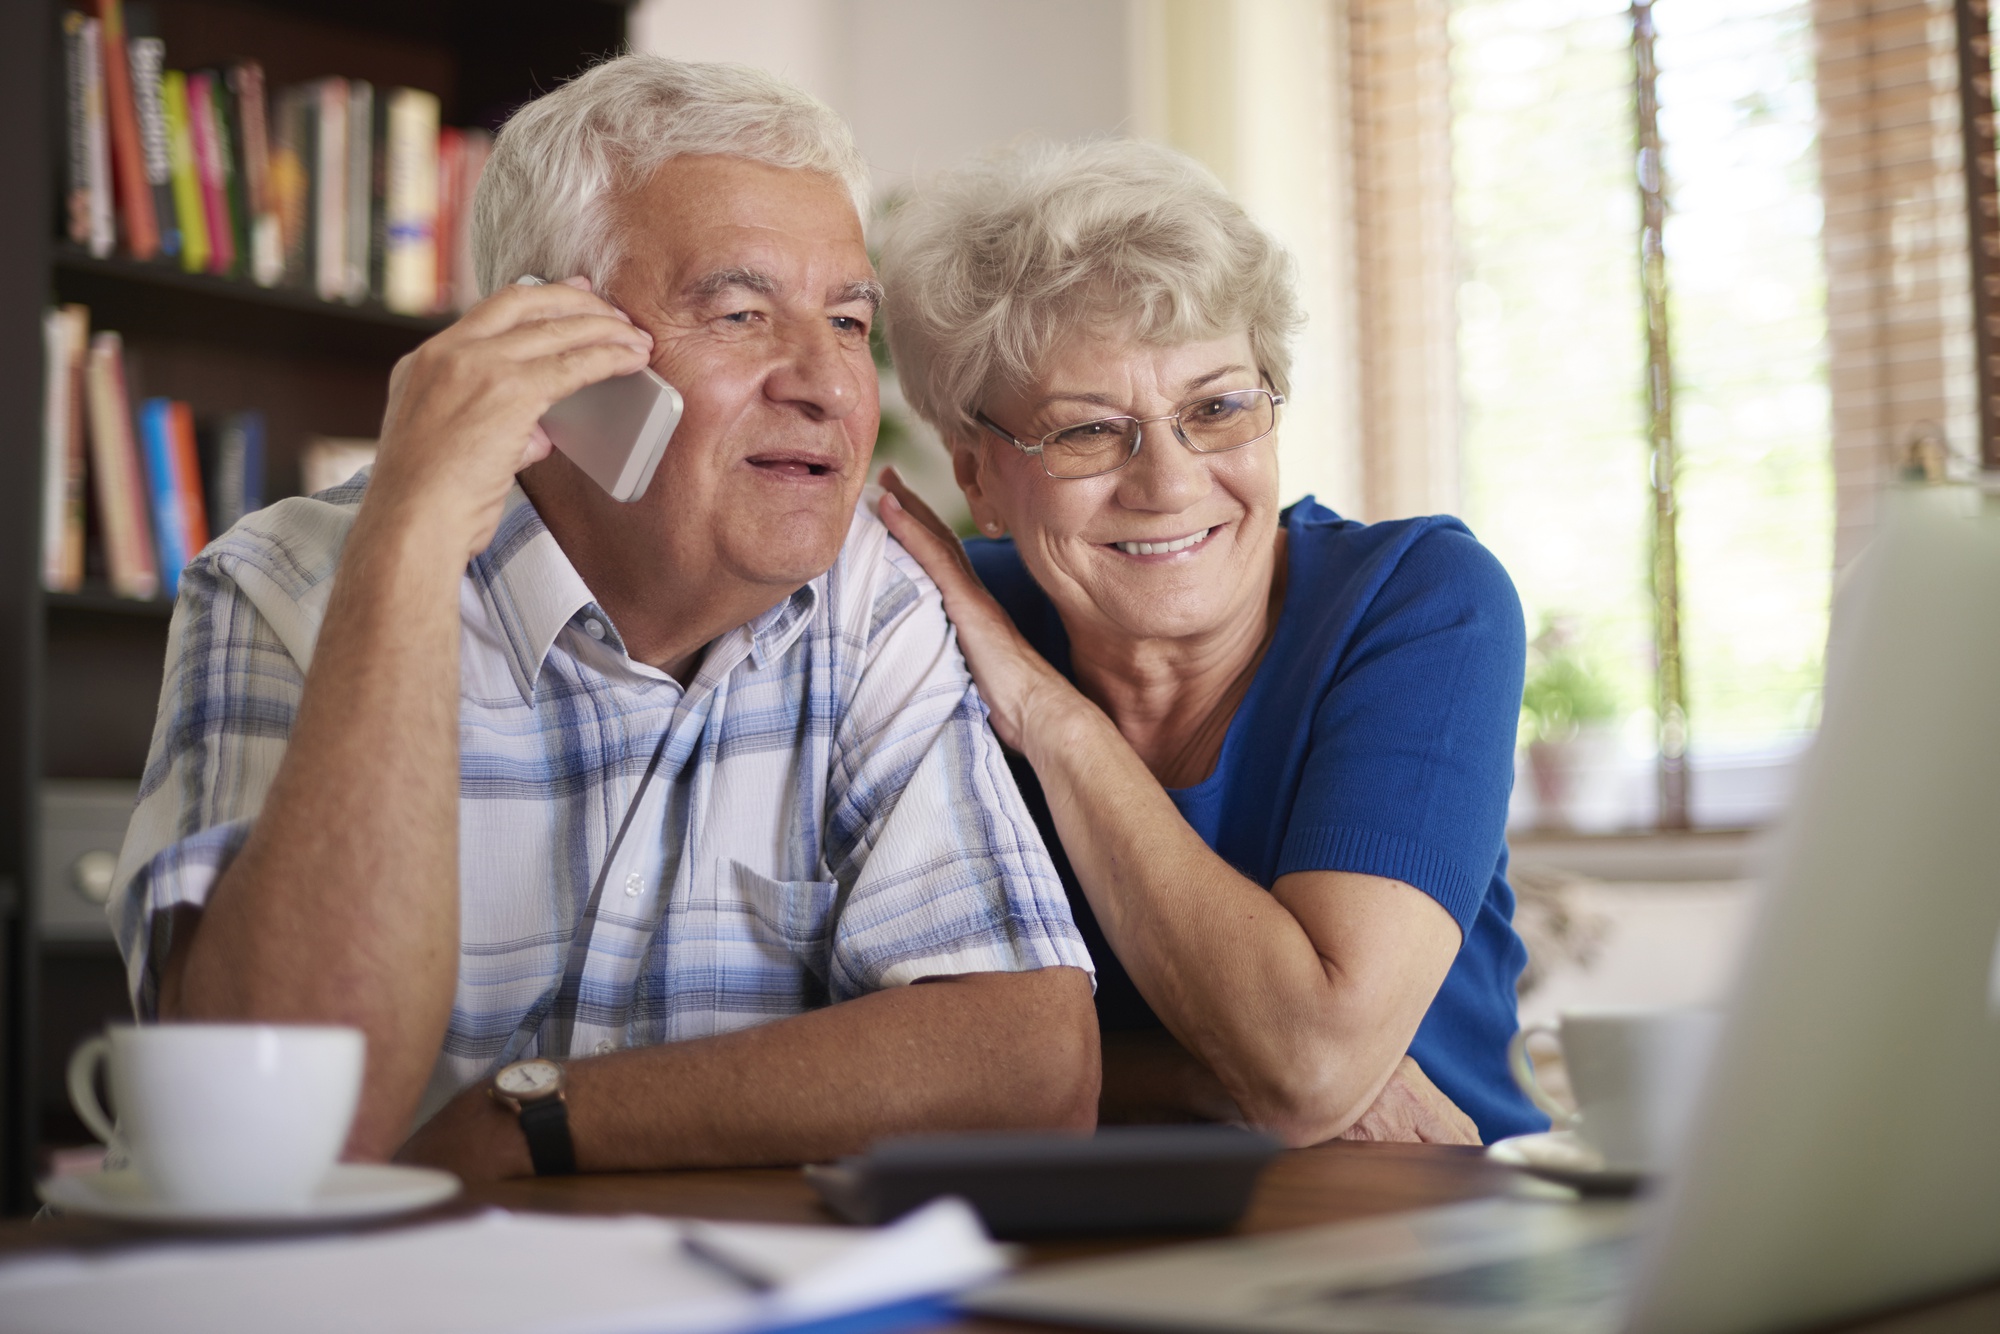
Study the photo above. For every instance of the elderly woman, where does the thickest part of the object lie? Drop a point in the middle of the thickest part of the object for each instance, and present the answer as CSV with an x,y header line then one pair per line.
x,y
1271,748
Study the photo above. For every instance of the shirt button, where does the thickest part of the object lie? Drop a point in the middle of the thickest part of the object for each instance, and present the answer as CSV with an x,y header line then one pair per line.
x,y
606,1046
594,628
634,885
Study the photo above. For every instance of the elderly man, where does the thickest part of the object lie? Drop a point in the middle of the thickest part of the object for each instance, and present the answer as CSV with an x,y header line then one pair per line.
x,y
586,812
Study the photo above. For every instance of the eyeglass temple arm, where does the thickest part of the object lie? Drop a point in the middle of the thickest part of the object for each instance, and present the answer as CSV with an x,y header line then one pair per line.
x,y
1004,434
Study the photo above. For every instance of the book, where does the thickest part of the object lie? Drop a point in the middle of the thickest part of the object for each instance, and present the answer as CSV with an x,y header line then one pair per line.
x,y
64,516
148,57
55,451
410,172
477,146
290,184
188,206
114,465
329,189
211,160
139,227
156,439
187,477
359,229
229,142
451,151
87,195
266,238
232,454
378,194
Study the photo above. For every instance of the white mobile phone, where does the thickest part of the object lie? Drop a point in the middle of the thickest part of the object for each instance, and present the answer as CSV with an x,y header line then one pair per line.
x,y
615,430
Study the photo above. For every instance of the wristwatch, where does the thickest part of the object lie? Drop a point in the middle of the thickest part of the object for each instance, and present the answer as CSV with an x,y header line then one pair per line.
x,y
533,1091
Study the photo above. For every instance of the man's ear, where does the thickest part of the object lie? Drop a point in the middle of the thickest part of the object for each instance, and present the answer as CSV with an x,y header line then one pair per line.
x,y
968,469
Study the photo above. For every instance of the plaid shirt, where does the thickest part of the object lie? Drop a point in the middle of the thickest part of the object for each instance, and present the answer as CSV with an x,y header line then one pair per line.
x,y
822,813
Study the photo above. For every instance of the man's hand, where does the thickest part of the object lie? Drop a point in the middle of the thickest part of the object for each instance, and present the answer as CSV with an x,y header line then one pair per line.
x,y
463,408
1409,1109
473,1136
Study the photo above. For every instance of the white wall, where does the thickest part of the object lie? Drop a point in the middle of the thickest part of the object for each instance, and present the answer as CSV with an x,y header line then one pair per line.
x,y
1252,87
924,83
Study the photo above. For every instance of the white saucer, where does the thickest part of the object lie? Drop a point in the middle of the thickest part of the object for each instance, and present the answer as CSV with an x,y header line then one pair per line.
x,y
1559,1156
351,1192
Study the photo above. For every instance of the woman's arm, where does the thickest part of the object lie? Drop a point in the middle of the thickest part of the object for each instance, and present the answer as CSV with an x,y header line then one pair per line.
x,y
1301,1001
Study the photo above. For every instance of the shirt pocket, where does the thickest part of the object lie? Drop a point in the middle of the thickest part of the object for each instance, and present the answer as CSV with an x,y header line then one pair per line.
x,y
790,922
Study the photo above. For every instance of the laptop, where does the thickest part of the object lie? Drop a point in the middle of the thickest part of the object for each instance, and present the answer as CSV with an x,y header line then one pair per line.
x,y
1845,1152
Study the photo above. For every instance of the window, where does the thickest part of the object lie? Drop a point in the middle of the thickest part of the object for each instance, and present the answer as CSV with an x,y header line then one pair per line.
x,y
1554,371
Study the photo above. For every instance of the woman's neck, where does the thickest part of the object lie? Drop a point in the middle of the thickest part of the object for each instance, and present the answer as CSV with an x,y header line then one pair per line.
x,y
1172,699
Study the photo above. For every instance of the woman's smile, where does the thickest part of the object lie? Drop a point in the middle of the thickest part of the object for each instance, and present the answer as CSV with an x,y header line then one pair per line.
x,y
1166,548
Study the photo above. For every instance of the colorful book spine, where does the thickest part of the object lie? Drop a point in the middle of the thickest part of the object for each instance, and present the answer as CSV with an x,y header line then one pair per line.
x,y
451,149
187,477
359,230
229,150
188,205
163,490
128,159
149,58
267,245
211,160
88,188
114,463
291,182
410,170
329,190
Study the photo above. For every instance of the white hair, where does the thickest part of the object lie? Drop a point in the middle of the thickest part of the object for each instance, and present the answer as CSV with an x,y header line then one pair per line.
x,y
988,267
543,203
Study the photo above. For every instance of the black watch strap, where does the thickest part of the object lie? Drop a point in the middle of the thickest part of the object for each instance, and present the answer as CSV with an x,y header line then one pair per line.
x,y
545,1123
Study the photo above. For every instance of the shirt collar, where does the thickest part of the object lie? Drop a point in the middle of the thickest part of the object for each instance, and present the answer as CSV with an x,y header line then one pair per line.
x,y
529,587
532,591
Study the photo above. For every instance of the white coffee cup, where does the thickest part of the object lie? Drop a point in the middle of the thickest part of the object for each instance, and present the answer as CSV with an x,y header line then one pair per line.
x,y
1634,1073
221,1118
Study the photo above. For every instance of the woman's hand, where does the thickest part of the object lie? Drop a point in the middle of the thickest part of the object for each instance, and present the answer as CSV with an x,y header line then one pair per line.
x,y
1016,682
1410,1109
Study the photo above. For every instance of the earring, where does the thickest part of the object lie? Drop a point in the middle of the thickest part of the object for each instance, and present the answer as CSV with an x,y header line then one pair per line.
x,y
992,528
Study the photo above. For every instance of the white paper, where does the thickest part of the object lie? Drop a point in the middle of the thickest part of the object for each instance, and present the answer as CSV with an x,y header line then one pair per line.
x,y
499,1272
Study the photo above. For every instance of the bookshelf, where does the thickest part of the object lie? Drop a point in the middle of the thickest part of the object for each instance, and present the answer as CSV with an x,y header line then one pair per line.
x,y
80,672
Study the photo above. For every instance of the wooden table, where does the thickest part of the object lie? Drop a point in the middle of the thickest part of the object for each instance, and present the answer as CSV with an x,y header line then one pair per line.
x,y
1329,1184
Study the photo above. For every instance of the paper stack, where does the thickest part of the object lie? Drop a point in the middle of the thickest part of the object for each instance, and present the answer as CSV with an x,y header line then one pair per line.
x,y
507,1272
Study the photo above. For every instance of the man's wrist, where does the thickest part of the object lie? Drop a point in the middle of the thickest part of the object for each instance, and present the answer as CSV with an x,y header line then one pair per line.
x,y
409,531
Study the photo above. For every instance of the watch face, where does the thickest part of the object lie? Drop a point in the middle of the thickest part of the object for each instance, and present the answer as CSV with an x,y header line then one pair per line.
x,y
529,1079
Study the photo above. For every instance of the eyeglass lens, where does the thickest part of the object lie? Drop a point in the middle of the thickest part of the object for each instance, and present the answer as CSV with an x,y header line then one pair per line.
x,y
1224,422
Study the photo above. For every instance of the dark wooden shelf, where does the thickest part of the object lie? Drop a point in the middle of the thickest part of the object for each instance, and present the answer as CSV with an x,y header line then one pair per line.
x,y
80,673
102,601
157,300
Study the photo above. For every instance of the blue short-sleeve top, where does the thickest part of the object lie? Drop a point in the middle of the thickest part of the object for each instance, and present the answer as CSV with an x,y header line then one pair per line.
x,y
1377,737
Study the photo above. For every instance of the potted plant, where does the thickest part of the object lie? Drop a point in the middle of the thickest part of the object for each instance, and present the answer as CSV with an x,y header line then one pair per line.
x,y
1562,698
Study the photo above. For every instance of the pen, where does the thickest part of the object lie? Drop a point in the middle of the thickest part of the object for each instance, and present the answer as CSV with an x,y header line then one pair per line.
x,y
695,1242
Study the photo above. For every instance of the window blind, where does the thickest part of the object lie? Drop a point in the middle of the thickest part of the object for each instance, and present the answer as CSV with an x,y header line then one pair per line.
x,y
1899,295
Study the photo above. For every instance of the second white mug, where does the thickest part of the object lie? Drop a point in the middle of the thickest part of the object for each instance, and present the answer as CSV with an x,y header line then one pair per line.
x,y
1634,1073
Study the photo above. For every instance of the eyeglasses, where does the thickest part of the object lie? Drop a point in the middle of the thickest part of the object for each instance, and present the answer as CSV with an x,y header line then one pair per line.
x,y
1207,426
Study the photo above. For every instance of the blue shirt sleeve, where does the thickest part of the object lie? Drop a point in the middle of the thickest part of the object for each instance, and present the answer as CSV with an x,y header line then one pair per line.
x,y
1411,759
